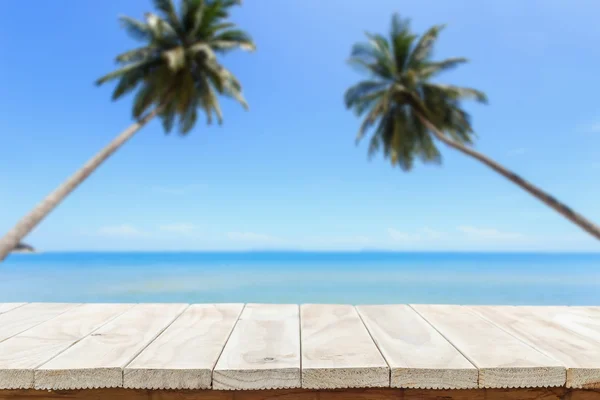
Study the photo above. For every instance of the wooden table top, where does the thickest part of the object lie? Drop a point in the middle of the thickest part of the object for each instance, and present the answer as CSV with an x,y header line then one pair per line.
x,y
286,346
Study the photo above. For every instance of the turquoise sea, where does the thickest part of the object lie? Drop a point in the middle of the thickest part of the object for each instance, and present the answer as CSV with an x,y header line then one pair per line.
x,y
304,277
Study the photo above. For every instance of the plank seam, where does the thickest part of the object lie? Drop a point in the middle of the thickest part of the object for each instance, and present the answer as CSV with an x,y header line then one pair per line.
x,y
300,347
376,345
471,311
212,370
516,337
75,305
449,341
78,340
160,332
12,309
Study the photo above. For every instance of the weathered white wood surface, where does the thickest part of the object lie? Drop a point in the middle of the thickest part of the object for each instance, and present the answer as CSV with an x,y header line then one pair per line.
x,y
171,346
337,350
581,320
263,351
21,354
547,329
4,307
418,356
503,360
98,360
25,317
184,355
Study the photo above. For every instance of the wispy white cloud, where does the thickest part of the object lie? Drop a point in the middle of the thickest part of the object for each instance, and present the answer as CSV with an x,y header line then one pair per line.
x,y
474,232
463,235
424,233
335,242
178,228
348,240
253,237
123,230
517,151
179,190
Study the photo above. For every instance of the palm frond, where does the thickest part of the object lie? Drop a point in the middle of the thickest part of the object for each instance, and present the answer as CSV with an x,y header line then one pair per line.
x,y
128,82
122,71
376,55
375,69
232,39
217,28
162,31
196,19
168,116
136,29
188,118
167,8
402,41
136,55
143,100
364,91
424,47
433,68
459,93
205,98
377,110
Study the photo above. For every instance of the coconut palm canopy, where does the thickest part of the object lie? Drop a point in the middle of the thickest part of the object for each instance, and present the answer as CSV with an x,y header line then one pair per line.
x,y
177,69
400,97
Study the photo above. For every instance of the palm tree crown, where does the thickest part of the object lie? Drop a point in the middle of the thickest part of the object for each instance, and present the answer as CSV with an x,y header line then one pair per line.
x,y
177,69
401,99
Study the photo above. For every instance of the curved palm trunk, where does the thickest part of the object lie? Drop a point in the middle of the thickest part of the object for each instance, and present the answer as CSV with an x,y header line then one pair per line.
x,y
29,221
547,199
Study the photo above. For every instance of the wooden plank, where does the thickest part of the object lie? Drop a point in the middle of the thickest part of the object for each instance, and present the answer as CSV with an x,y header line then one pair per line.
x,y
25,317
98,360
5,307
418,356
184,355
263,351
503,360
584,321
337,350
21,354
545,330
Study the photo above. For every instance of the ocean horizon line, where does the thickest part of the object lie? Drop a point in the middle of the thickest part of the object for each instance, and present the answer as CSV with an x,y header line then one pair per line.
x,y
316,251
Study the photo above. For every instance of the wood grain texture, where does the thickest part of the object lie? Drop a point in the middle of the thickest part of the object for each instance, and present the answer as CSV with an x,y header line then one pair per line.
x,y
547,329
263,351
584,321
337,350
98,360
503,360
25,317
5,307
418,356
184,355
303,394
21,354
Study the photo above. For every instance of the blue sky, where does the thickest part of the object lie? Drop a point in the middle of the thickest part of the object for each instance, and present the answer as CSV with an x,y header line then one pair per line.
x,y
287,174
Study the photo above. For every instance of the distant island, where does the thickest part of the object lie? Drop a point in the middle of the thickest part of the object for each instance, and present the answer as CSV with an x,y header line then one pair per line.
x,y
23,248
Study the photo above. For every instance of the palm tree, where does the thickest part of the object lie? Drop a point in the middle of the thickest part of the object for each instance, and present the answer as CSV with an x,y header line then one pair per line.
x,y
175,72
409,111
